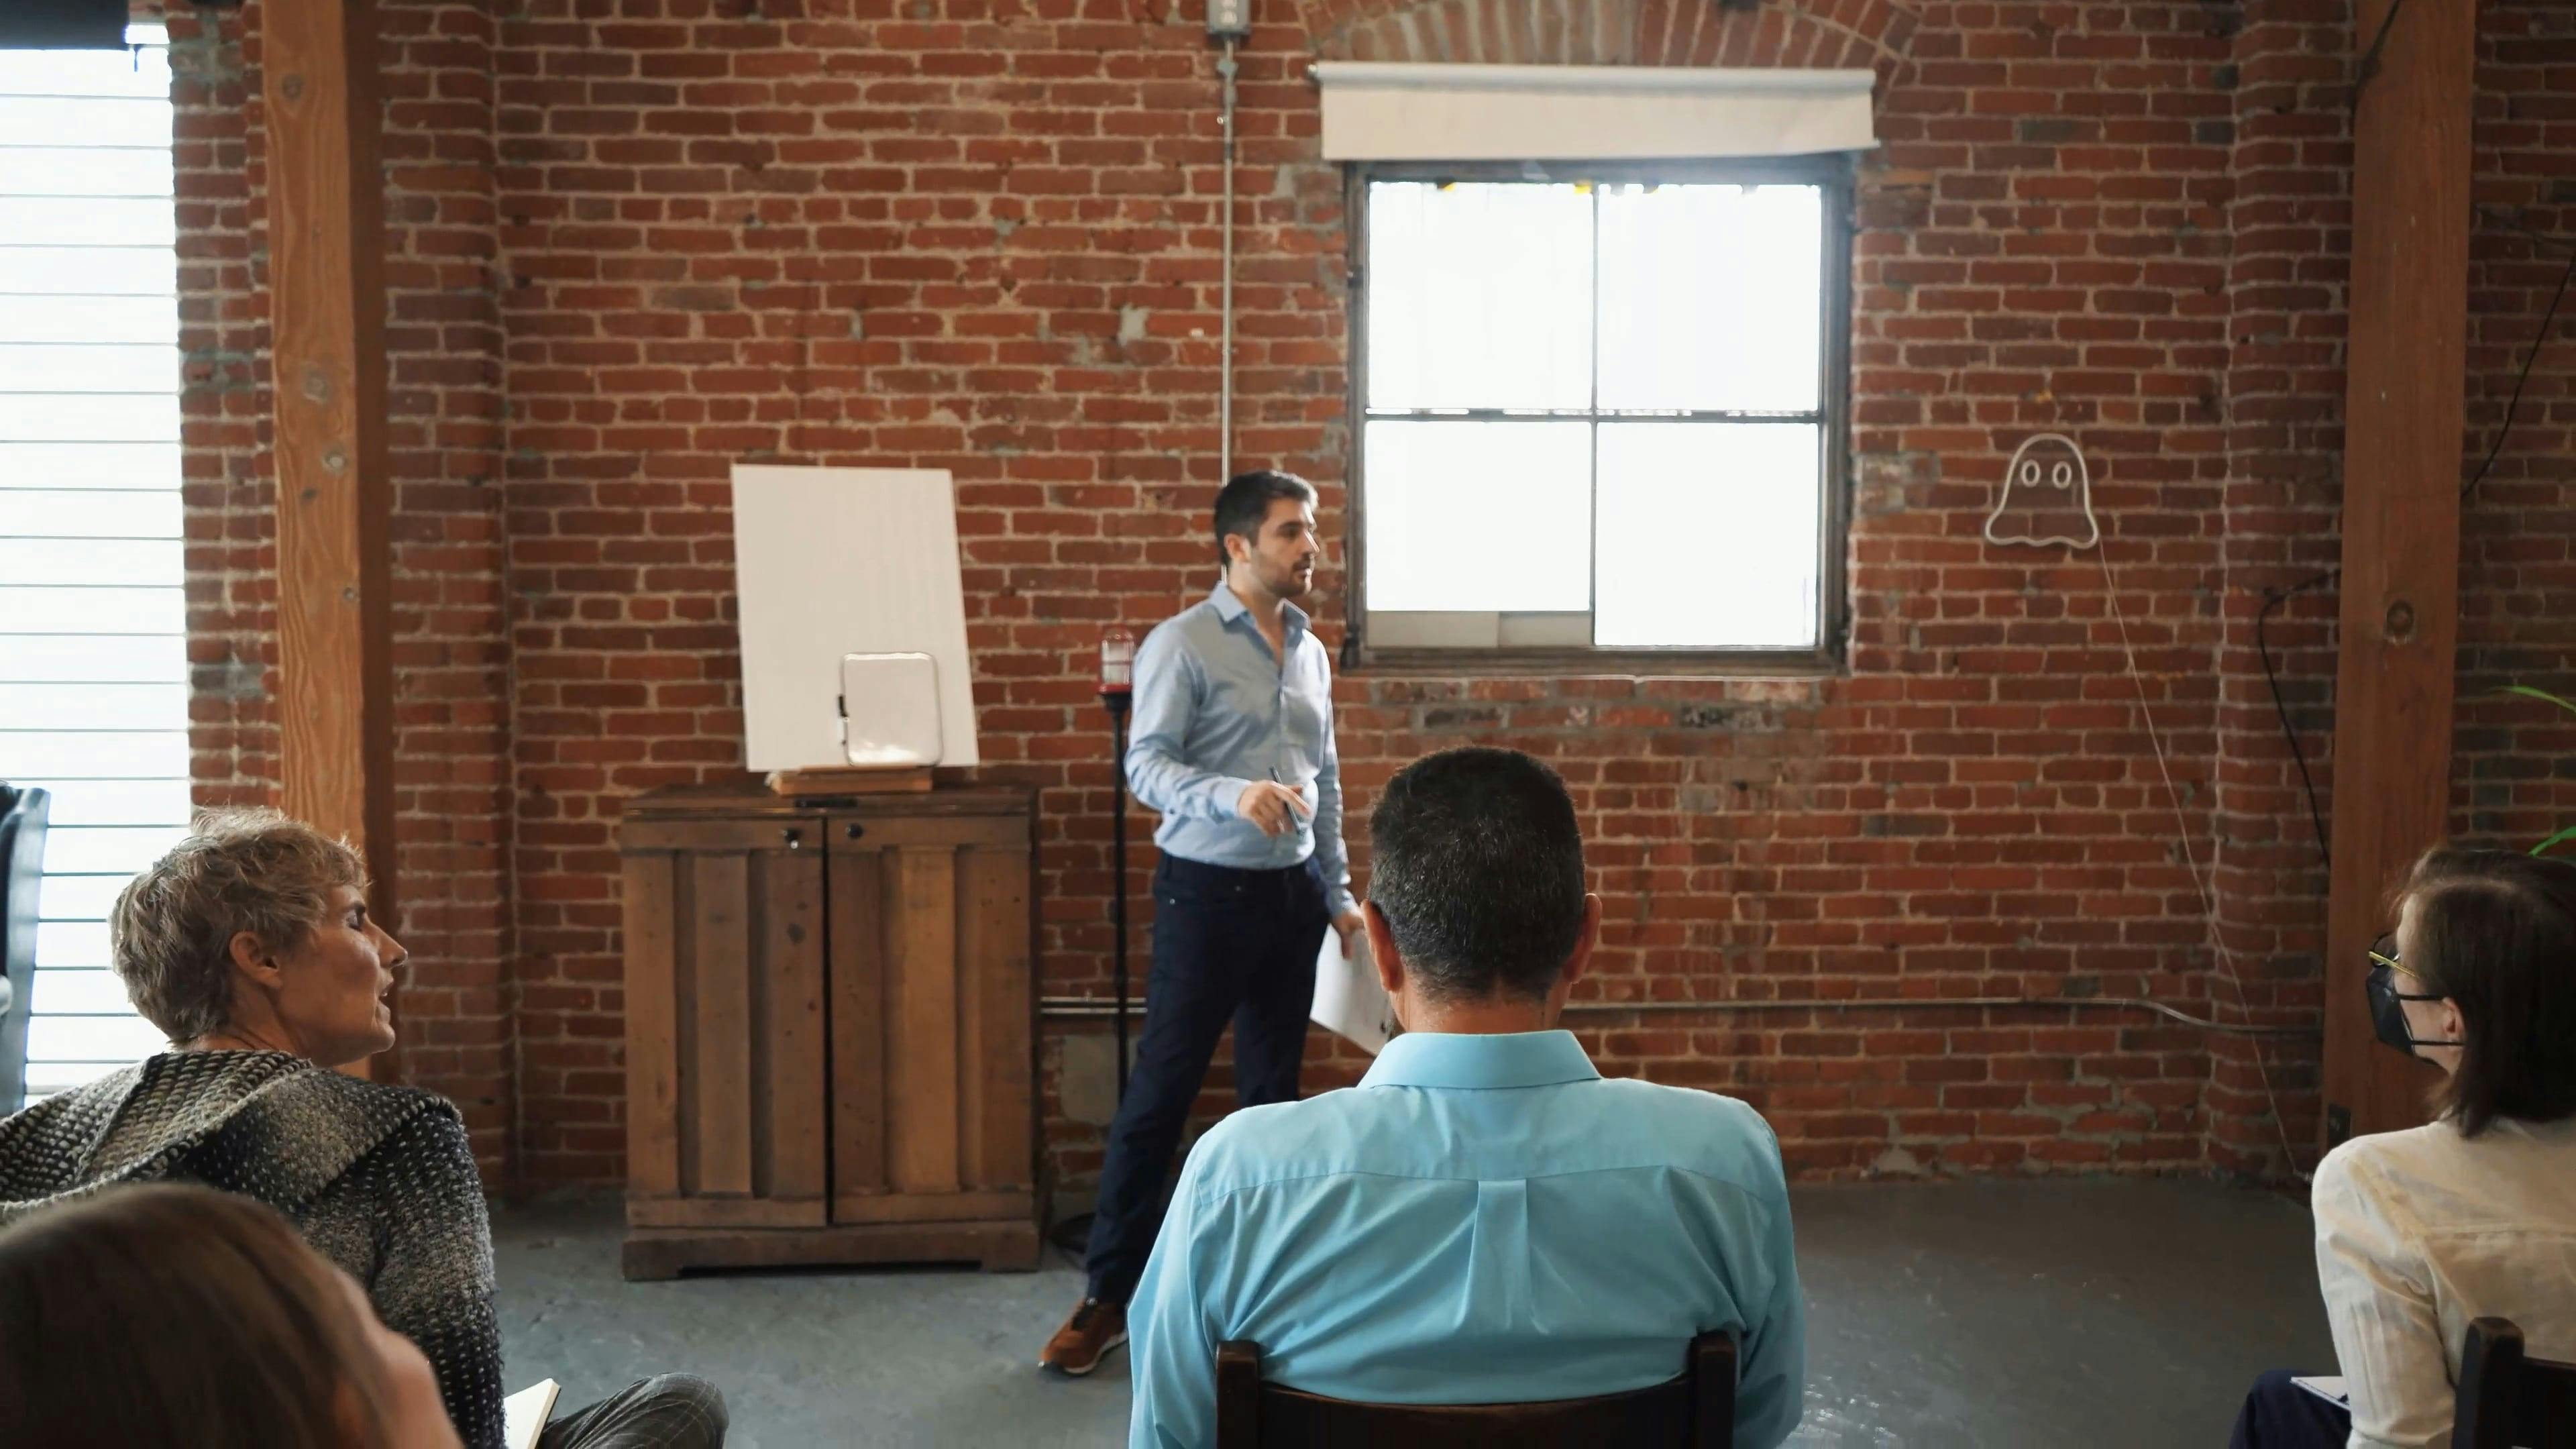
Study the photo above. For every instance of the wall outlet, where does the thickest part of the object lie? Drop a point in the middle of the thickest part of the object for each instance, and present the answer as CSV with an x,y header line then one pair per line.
x,y
1229,19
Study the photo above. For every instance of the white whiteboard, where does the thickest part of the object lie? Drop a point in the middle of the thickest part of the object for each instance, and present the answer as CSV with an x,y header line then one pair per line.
x,y
835,561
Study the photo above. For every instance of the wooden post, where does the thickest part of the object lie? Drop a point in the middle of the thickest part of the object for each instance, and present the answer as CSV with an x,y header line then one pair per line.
x,y
2403,415
327,323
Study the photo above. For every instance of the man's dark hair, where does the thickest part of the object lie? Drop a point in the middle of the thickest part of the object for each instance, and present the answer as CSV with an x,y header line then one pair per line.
x,y
1244,503
2495,931
1477,864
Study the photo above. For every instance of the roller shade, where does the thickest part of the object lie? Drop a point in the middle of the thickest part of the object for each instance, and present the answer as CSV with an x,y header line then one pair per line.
x,y
93,619
1377,111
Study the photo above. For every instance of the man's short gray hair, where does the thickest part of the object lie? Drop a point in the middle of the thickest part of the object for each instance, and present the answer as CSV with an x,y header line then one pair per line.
x,y
170,934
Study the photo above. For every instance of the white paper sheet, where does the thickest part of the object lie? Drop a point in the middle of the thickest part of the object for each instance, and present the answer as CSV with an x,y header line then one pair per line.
x,y
1349,1002
524,1414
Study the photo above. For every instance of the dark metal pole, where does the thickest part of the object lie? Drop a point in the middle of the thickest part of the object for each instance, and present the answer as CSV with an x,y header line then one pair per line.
x,y
1117,703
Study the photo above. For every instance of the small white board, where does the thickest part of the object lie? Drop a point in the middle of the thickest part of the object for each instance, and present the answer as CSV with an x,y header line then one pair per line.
x,y
890,710
831,562
1349,1002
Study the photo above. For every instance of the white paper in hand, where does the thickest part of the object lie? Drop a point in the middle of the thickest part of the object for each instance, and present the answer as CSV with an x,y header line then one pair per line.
x,y
1349,1002
524,1414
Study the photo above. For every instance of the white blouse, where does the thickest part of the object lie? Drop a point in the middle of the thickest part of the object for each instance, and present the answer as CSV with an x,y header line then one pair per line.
x,y
2419,1232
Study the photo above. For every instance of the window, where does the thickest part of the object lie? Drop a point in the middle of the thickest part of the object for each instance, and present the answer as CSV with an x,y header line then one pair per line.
x,y
1600,411
93,653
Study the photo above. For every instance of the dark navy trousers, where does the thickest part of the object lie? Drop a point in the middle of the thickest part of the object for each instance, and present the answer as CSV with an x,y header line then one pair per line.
x,y
1229,945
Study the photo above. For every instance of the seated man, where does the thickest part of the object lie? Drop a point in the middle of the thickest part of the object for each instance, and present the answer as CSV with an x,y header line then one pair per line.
x,y
1484,1219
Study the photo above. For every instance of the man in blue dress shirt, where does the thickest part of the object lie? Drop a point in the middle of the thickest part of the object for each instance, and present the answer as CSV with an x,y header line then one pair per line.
x,y
1233,743
1484,1219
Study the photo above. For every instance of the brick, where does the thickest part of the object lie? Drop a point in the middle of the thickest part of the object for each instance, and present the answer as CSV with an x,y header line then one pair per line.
x,y
622,255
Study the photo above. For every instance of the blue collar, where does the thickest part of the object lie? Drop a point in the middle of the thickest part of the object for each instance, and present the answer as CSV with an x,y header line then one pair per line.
x,y
1447,1059
1229,608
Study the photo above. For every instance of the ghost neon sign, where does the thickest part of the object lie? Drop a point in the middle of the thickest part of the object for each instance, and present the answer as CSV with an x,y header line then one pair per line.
x,y
2046,486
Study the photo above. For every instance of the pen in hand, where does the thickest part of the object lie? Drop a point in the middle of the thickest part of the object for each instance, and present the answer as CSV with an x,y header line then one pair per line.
x,y
1269,804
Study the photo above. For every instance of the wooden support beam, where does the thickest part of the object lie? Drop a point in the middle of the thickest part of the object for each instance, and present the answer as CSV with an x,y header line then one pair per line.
x,y
2403,415
326,324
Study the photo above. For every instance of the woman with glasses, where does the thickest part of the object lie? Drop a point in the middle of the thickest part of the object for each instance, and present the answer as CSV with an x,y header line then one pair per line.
x,y
2420,1231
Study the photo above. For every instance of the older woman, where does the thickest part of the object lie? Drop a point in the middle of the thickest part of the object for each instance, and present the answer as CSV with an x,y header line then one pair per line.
x,y
249,945
169,1316
2473,1214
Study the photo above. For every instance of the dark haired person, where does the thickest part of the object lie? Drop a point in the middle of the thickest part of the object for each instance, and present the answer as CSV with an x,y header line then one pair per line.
x,y
2420,1231
172,1317
1233,743
1484,1219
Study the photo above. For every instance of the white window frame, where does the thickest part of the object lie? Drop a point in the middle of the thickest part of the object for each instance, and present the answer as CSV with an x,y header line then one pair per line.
x,y
1560,643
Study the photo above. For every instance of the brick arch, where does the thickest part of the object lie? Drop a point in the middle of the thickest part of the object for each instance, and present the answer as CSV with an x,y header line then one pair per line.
x,y
1808,33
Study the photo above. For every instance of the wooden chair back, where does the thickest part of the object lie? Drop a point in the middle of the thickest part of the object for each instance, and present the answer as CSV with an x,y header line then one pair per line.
x,y
1693,1411
2509,1400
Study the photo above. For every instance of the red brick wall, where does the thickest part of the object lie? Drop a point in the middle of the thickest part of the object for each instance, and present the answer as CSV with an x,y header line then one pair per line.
x,y
229,488
2290,242
451,705
2290,245
2514,763
631,248
983,242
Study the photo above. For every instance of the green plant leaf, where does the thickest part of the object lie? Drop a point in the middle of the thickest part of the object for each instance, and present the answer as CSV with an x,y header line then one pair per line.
x,y
2543,847
2527,692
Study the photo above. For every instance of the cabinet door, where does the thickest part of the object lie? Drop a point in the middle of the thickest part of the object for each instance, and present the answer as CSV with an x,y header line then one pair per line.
x,y
724,1023
932,1076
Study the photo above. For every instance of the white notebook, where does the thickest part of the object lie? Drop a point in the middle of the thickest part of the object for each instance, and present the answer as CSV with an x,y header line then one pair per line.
x,y
524,1414
2327,1387
1349,1001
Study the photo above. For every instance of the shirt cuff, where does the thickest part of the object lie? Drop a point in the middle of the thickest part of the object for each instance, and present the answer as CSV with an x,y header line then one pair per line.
x,y
1340,902
1227,798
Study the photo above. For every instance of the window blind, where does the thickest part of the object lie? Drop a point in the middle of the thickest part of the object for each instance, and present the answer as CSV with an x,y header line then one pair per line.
x,y
1389,111
93,649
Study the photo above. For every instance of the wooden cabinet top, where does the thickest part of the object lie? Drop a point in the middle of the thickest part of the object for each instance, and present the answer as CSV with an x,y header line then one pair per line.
x,y
749,796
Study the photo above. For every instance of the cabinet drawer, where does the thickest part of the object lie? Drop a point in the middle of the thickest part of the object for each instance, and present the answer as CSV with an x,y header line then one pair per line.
x,y
795,832
955,832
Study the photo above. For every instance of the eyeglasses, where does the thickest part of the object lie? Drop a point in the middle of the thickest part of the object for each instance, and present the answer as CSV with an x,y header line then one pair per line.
x,y
2388,1004
2383,952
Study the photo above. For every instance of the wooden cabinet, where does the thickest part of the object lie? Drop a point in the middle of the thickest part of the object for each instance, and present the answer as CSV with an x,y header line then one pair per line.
x,y
830,1037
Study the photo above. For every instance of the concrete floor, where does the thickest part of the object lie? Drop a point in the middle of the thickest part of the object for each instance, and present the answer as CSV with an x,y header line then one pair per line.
x,y
2105,1313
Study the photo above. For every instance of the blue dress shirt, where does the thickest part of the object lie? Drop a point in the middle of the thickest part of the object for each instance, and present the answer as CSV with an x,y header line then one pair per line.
x,y
1216,711
1484,1219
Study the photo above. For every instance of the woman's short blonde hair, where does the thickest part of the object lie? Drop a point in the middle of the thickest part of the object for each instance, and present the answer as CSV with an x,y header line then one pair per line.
x,y
171,932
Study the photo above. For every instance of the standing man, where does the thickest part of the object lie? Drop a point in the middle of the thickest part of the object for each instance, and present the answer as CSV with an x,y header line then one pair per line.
x,y
1233,743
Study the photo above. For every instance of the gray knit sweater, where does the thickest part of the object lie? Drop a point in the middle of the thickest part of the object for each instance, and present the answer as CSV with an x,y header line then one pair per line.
x,y
379,1178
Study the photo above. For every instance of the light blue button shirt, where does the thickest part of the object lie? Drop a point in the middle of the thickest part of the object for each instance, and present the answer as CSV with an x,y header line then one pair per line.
x,y
1484,1219
1216,711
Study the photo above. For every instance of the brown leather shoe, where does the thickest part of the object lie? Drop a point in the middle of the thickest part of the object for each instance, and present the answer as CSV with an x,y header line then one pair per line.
x,y
1093,1330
